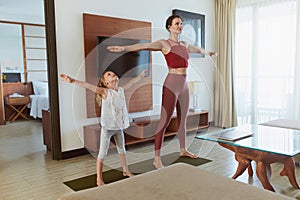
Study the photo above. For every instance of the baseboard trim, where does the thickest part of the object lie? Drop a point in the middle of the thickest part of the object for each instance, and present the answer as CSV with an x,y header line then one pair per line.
x,y
74,153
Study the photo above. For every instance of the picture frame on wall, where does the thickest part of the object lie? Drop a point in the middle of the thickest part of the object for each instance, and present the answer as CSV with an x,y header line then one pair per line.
x,y
193,31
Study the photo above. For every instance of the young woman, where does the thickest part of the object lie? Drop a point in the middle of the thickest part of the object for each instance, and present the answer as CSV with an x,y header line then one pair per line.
x,y
114,116
175,89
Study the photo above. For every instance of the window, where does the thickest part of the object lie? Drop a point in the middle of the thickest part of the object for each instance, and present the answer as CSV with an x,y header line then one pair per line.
x,y
23,50
35,52
265,60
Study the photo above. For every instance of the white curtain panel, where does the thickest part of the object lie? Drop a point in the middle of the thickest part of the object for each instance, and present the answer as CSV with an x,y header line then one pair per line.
x,y
224,101
295,112
267,60
244,3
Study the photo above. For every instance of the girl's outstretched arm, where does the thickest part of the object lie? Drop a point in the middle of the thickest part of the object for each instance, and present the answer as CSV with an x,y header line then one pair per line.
x,y
99,90
134,80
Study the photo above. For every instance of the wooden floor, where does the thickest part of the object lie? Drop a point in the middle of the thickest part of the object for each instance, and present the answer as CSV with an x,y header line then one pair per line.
x,y
28,172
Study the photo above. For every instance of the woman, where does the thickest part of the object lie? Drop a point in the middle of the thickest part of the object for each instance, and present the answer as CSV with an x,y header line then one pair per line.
x,y
175,90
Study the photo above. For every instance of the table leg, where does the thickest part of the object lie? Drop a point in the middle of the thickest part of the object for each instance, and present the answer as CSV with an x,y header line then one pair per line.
x,y
244,163
18,112
263,168
250,170
289,171
12,116
263,172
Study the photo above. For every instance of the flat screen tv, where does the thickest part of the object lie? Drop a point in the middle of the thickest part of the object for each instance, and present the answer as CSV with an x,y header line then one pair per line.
x,y
11,77
124,64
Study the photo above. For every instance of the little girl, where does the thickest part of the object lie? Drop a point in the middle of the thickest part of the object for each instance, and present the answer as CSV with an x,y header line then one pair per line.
x,y
114,116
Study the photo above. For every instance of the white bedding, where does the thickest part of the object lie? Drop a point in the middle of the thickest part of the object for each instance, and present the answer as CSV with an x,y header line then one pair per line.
x,y
38,103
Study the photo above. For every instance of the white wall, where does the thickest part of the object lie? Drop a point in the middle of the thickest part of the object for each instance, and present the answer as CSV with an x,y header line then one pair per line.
x,y
70,50
29,11
11,55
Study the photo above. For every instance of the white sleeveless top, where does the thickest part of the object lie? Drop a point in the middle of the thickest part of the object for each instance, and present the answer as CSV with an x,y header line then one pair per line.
x,y
114,114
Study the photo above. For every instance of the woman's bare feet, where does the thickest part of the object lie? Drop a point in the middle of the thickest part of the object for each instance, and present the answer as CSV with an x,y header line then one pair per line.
x,y
100,182
127,173
188,154
157,163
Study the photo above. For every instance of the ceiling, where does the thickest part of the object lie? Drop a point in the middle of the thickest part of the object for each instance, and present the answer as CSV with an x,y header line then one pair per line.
x,y
34,8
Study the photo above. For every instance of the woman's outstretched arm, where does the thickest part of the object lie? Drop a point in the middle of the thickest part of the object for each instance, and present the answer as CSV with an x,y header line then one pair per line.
x,y
99,90
195,49
153,46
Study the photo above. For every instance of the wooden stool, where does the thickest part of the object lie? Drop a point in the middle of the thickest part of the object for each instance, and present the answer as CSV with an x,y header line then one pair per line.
x,y
17,105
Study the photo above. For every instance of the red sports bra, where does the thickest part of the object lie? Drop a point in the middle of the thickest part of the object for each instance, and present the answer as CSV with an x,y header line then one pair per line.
x,y
177,57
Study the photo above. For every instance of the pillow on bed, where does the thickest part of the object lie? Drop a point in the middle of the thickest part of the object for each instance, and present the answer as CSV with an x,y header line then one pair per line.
x,y
40,88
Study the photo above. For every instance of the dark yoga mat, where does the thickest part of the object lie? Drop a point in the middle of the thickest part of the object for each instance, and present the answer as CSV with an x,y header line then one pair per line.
x,y
136,168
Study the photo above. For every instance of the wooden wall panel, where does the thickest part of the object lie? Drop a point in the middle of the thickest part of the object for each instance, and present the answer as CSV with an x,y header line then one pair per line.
x,y
139,98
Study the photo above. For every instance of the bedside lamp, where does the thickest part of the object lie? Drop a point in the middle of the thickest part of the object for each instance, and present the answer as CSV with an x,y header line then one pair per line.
x,y
195,88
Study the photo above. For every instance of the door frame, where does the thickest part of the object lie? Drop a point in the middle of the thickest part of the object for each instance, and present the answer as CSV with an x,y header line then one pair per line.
x,y
49,10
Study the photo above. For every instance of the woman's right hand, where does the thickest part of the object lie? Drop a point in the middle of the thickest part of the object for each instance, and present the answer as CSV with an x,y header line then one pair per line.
x,y
213,54
116,48
67,78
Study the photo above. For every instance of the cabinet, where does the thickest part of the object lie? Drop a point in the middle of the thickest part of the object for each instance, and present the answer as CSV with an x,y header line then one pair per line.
x,y
143,129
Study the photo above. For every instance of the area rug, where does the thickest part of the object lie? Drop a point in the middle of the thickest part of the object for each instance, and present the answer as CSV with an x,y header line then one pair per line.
x,y
136,168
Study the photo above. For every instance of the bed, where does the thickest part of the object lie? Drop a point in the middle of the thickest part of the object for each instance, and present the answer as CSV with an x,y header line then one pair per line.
x,y
38,103
39,100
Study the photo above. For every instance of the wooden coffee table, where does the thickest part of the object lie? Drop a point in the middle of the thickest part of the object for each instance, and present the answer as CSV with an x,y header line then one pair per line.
x,y
265,146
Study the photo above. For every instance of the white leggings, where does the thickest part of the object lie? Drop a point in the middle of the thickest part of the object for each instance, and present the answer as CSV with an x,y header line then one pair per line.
x,y
105,141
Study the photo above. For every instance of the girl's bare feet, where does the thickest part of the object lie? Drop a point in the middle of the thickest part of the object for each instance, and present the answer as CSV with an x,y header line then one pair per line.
x,y
100,182
188,154
127,173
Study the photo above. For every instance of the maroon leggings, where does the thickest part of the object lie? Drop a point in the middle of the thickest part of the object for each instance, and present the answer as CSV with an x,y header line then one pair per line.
x,y
175,93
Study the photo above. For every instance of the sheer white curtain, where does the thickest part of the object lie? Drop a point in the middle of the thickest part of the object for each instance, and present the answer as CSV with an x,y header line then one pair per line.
x,y
267,69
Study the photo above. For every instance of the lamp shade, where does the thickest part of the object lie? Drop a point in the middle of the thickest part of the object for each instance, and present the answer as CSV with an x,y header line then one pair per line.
x,y
195,87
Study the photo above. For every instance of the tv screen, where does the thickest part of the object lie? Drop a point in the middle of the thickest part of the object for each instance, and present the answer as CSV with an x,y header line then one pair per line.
x,y
11,77
124,64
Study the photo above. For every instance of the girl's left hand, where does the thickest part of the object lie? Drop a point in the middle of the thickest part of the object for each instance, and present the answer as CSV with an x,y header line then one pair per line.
x,y
67,78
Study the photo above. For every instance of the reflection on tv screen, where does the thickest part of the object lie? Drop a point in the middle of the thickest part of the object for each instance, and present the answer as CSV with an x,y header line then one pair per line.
x,y
124,64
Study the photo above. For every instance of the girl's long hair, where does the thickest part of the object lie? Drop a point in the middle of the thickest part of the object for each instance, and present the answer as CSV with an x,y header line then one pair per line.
x,y
100,84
